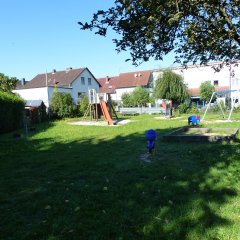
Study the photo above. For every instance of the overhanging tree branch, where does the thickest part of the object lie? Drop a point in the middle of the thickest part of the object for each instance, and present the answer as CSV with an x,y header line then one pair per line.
x,y
197,30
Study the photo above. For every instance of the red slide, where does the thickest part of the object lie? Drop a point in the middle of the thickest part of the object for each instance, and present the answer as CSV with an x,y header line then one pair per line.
x,y
105,112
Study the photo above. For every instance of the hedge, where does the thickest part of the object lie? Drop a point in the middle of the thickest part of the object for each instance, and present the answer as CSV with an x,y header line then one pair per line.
x,y
11,112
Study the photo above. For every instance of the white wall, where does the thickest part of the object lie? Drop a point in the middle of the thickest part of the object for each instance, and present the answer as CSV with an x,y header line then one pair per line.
x,y
44,94
34,94
120,91
78,87
193,76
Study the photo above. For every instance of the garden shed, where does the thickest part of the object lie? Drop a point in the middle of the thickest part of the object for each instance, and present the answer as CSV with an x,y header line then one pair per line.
x,y
35,111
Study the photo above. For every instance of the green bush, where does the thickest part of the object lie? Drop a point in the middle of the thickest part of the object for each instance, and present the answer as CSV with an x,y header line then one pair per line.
x,y
236,109
62,105
127,100
11,111
193,108
216,107
140,96
182,108
83,105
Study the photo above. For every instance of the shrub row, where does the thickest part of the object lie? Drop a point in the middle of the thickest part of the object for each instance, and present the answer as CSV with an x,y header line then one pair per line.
x,y
11,112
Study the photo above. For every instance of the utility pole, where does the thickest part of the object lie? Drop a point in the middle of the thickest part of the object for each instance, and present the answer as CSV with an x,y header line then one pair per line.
x,y
46,81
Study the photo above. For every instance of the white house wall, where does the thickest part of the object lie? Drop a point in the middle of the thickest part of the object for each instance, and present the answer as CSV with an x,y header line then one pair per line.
x,y
34,94
44,94
78,87
121,91
194,76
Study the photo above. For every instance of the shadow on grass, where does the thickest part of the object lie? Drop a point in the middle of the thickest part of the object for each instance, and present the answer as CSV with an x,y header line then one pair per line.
x,y
27,132
93,188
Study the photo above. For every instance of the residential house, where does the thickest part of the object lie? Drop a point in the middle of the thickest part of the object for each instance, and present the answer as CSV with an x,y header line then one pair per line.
x,y
77,82
125,82
221,76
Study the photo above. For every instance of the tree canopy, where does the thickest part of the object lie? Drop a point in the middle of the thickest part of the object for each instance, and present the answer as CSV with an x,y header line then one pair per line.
x,y
140,96
198,31
62,105
206,91
127,100
170,86
7,84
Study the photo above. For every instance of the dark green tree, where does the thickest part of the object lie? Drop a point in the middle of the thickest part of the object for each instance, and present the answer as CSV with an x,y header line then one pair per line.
x,y
11,111
62,105
140,96
196,30
83,105
7,84
170,86
206,91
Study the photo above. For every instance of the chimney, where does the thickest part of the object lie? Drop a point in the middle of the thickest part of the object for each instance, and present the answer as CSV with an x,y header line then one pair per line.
x,y
107,80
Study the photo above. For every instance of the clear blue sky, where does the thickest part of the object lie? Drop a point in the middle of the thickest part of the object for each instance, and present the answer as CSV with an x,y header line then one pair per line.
x,y
40,35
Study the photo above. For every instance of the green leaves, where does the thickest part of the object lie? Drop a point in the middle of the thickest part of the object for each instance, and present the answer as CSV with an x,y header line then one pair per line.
x,y
206,90
62,105
196,30
139,97
11,111
170,86
7,84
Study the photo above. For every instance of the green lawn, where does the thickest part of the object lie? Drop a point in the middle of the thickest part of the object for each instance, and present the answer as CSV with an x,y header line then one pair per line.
x,y
89,182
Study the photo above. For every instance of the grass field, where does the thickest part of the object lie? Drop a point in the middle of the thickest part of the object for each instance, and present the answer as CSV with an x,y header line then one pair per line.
x,y
89,182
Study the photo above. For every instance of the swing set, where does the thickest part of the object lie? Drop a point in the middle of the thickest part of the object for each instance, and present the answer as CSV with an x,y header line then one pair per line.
x,y
219,103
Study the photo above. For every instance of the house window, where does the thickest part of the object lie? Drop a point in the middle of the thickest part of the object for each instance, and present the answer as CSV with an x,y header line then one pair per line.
x,y
89,81
215,82
82,80
80,96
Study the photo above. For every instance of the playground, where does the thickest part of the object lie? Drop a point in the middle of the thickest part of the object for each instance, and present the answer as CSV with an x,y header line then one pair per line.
x,y
88,182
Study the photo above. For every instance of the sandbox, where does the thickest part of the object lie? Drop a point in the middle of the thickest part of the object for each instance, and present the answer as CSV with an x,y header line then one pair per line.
x,y
189,134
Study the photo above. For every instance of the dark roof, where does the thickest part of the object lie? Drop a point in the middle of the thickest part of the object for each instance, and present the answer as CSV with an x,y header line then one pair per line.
x,y
63,78
124,80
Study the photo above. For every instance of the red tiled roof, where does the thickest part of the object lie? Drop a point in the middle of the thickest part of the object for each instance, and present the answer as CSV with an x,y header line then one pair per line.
x,y
108,84
134,79
196,91
124,80
63,78
222,88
